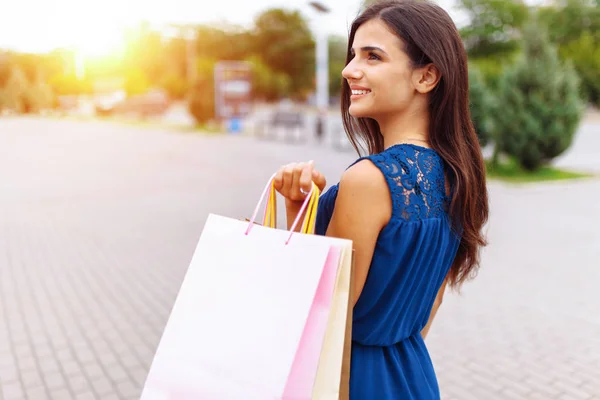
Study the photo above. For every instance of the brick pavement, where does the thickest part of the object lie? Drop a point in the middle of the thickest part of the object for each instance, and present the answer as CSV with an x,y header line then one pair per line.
x,y
98,223
529,326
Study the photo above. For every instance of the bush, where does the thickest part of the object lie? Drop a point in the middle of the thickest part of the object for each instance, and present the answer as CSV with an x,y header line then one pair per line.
x,y
492,67
175,85
13,94
201,100
539,103
38,97
201,105
481,104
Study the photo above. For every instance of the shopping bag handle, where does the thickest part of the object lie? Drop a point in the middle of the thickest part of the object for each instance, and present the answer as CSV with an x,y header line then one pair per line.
x,y
311,200
270,214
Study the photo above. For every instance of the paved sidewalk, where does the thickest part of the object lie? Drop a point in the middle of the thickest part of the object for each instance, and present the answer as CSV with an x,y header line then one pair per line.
x,y
98,223
528,327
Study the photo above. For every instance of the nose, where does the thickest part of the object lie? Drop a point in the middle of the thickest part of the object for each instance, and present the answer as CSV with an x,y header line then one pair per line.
x,y
351,73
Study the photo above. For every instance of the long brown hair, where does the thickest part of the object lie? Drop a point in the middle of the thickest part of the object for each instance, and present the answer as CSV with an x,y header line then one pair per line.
x,y
430,36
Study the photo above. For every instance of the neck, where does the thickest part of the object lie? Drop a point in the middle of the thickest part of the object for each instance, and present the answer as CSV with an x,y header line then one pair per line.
x,y
409,127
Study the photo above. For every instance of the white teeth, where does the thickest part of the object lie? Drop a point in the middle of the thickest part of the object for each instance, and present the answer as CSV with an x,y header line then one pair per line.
x,y
356,92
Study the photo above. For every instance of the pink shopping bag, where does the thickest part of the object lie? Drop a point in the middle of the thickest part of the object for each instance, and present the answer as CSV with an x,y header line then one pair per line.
x,y
304,369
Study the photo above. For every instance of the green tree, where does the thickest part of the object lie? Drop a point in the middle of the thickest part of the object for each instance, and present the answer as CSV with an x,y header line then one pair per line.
x,y
286,45
53,63
5,69
540,103
175,55
367,3
136,81
481,101
568,20
13,94
38,97
267,84
201,100
337,61
30,64
585,55
229,44
574,25
175,84
495,26
145,55
62,85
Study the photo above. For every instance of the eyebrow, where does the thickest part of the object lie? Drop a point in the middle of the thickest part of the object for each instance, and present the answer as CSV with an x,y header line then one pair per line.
x,y
369,48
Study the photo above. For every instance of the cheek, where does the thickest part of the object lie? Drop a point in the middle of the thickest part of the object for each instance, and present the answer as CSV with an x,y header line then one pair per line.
x,y
395,92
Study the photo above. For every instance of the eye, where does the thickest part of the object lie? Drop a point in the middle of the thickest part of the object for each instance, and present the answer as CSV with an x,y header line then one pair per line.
x,y
373,56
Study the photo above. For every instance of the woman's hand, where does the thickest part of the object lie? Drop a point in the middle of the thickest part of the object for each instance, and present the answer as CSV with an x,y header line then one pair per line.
x,y
294,181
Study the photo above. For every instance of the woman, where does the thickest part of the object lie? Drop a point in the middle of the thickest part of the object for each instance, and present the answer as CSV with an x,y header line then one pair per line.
x,y
415,206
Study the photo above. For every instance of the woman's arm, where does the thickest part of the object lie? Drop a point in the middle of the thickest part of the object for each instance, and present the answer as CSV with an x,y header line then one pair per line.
x,y
362,208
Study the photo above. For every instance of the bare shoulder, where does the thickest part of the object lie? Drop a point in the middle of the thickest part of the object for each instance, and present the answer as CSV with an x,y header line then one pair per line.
x,y
363,189
364,175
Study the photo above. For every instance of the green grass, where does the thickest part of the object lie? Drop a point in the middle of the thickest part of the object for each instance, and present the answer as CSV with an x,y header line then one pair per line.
x,y
204,128
510,171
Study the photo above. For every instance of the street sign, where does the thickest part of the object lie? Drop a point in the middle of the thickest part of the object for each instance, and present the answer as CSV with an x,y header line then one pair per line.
x,y
233,89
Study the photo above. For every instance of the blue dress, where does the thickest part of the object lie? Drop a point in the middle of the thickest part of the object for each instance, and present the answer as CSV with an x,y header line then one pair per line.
x,y
412,256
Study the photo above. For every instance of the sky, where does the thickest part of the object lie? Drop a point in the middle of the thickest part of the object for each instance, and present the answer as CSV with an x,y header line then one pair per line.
x,y
96,27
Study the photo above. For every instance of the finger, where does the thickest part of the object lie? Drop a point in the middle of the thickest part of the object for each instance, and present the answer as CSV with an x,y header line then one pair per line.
x,y
319,180
288,173
306,177
278,179
296,185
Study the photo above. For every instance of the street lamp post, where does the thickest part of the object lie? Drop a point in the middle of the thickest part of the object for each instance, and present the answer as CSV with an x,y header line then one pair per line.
x,y
322,71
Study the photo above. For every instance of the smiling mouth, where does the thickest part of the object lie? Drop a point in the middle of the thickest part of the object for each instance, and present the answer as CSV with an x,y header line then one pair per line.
x,y
360,92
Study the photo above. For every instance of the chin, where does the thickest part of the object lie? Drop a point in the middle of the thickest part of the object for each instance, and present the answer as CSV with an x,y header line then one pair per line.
x,y
359,112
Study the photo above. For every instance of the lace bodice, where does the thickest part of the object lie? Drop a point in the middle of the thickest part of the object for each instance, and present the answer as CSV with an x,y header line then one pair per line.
x,y
415,176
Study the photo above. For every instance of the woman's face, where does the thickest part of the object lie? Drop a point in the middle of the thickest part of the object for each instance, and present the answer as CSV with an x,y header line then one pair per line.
x,y
380,74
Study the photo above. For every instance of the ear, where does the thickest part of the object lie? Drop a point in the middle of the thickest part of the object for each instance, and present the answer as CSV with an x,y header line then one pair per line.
x,y
426,78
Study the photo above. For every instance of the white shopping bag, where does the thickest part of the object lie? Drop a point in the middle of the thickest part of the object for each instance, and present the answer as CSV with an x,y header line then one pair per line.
x,y
241,311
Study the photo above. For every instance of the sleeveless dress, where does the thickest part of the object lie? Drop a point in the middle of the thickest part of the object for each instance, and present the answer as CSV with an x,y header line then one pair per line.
x,y
412,256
